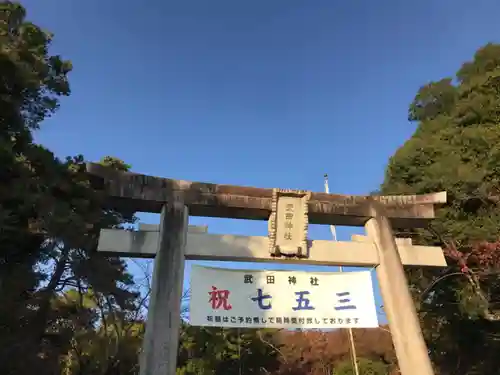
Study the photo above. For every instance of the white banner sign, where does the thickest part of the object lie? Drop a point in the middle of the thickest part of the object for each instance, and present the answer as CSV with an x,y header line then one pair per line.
x,y
281,299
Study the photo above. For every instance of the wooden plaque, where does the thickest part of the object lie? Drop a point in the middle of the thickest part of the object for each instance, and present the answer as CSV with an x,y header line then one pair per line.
x,y
288,223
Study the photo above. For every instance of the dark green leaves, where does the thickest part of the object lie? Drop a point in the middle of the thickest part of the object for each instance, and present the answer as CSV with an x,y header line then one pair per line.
x,y
456,148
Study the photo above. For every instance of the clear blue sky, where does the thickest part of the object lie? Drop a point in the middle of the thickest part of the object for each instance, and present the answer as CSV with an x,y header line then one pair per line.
x,y
268,93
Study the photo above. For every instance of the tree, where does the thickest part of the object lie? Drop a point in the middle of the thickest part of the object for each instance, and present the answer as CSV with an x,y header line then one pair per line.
x,y
31,81
50,215
205,350
320,353
456,147
109,345
67,220
365,367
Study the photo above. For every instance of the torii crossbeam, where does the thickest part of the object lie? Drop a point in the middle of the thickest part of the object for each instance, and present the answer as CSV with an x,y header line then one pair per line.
x,y
142,193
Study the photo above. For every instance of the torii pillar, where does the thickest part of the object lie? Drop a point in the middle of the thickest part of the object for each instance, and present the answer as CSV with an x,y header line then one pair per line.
x,y
411,350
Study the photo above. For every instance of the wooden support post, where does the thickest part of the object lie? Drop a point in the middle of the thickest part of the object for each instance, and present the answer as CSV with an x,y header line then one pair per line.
x,y
162,327
408,340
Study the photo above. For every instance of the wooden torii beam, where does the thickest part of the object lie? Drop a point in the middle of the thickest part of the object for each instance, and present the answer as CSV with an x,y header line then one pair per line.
x,y
142,193
175,198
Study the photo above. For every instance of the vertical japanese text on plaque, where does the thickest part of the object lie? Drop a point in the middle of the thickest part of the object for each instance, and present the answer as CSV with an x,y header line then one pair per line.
x,y
288,223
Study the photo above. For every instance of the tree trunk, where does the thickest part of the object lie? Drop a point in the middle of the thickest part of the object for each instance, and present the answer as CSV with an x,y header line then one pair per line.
x,y
39,322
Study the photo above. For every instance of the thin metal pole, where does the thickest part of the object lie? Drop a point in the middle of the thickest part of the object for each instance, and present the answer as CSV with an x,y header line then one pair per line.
x,y
354,356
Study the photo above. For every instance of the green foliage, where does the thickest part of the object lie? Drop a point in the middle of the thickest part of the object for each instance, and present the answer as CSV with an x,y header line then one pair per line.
x,y
108,342
206,350
32,79
50,215
117,164
365,367
456,147
433,100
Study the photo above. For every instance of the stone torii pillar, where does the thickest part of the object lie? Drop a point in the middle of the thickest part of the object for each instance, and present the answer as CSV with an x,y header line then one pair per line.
x,y
411,350
160,350
142,193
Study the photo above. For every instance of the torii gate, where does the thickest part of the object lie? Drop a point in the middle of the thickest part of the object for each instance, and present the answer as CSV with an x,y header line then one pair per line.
x,y
287,242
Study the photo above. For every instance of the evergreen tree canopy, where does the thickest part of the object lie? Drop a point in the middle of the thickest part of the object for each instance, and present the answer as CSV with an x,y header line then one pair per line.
x,y
50,216
456,147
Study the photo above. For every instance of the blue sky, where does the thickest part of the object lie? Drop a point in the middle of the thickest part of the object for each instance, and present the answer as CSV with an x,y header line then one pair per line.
x,y
268,93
